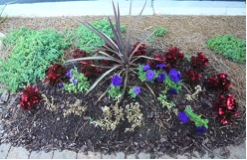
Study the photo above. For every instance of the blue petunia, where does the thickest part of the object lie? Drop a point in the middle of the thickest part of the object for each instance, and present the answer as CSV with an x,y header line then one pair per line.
x,y
174,75
160,66
201,130
173,91
137,90
183,117
150,75
75,82
145,67
69,73
161,77
60,85
117,81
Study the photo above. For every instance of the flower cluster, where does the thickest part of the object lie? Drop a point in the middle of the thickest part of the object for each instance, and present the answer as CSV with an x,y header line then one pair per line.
x,y
199,62
140,50
226,108
220,82
173,56
192,76
30,97
55,74
87,67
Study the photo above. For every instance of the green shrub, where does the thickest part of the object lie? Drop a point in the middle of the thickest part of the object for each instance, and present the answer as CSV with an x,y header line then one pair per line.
x,y
229,46
160,32
87,40
32,52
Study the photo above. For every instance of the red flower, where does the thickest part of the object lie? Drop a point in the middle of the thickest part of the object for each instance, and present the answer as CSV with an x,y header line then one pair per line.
x,y
140,50
220,82
226,108
200,61
55,74
173,56
30,97
87,66
192,76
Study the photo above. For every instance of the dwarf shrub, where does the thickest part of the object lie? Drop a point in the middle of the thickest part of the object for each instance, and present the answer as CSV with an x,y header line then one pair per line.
x,y
86,39
32,52
229,46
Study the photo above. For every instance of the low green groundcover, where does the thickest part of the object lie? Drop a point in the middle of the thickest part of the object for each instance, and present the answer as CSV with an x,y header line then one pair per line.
x,y
229,46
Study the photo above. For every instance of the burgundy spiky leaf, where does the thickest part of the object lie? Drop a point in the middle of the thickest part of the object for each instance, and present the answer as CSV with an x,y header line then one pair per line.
x,y
30,97
226,108
174,56
55,74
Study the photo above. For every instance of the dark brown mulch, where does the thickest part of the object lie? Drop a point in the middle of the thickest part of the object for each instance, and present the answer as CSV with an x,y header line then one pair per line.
x,y
161,133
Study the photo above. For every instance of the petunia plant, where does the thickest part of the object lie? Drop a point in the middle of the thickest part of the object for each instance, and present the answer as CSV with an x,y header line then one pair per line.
x,y
78,82
134,91
189,115
115,87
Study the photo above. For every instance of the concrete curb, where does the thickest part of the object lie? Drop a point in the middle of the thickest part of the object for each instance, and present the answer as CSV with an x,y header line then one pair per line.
x,y
9,152
104,8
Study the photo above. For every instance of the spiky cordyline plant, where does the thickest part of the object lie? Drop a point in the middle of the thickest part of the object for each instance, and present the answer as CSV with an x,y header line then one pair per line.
x,y
121,52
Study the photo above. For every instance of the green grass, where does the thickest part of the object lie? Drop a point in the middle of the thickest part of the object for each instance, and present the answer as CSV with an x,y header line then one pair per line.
x,y
229,46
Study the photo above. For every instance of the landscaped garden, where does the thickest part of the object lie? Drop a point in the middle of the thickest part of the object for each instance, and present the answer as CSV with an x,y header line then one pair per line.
x,y
164,84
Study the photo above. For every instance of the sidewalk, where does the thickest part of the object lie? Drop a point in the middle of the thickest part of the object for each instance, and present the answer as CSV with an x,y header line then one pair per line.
x,y
104,8
9,152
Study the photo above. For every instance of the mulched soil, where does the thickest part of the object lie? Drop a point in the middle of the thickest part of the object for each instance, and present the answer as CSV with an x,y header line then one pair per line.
x,y
162,131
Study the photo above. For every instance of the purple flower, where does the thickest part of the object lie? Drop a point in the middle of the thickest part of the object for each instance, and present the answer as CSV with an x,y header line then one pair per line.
x,y
69,73
201,130
75,82
137,90
160,66
183,117
174,75
60,85
173,91
116,80
150,75
161,77
145,67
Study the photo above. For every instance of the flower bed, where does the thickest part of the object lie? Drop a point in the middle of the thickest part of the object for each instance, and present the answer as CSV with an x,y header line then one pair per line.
x,y
169,104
